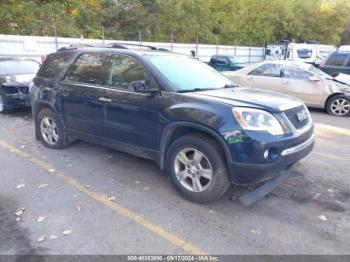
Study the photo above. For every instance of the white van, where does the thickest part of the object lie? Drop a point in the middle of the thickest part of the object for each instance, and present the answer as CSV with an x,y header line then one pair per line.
x,y
308,53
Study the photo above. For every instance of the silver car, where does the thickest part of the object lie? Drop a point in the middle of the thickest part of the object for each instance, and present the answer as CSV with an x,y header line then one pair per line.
x,y
304,81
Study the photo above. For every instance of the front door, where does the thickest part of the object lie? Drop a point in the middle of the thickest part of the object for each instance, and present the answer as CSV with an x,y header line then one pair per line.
x,y
80,94
131,118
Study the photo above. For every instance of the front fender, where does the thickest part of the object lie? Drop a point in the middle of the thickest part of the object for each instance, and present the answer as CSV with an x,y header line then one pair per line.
x,y
169,130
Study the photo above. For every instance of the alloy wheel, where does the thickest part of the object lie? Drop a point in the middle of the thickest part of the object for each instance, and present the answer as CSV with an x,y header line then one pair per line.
x,y
193,170
340,107
49,130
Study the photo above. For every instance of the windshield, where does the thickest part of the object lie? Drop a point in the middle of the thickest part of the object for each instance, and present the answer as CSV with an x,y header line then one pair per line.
x,y
18,67
234,60
189,74
319,73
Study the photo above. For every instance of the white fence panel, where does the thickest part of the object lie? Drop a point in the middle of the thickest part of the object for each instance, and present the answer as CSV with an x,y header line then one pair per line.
x,y
36,46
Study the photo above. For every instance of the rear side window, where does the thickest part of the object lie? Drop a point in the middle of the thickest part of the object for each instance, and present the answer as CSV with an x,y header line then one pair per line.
x,y
270,70
54,65
89,68
221,61
336,59
348,61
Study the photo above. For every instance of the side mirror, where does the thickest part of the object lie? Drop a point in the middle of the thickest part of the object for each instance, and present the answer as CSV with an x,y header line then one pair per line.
x,y
141,86
314,79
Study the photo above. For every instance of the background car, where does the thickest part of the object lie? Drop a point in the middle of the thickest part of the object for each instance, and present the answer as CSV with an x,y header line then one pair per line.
x,y
225,63
304,81
336,63
15,76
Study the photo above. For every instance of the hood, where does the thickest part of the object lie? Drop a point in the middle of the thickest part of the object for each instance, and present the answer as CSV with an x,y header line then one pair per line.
x,y
251,97
343,78
22,80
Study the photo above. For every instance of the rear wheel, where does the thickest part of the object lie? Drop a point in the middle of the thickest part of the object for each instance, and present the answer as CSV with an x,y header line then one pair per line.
x,y
338,105
197,168
51,131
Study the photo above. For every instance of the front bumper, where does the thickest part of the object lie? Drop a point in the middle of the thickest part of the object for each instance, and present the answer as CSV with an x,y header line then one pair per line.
x,y
18,100
248,173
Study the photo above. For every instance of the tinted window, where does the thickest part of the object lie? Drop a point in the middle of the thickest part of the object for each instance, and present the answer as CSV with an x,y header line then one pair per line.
x,y
271,70
124,70
304,53
89,68
296,73
54,65
336,59
348,62
18,67
221,61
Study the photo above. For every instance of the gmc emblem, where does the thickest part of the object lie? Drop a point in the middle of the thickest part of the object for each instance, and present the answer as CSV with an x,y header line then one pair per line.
x,y
302,116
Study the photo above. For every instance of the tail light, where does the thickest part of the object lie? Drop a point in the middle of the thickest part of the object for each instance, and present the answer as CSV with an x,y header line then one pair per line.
x,y
43,58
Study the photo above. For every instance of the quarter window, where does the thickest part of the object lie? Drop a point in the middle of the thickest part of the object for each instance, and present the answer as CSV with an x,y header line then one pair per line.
x,y
54,65
270,70
124,70
89,68
336,59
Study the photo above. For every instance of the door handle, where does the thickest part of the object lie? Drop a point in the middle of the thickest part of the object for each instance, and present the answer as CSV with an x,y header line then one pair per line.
x,y
104,99
285,82
250,78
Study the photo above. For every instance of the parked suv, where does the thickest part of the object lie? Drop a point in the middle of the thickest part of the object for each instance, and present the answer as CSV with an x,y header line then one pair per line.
x,y
336,63
225,63
204,131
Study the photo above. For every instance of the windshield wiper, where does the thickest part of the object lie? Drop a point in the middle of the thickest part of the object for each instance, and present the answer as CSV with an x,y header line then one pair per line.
x,y
195,90
230,86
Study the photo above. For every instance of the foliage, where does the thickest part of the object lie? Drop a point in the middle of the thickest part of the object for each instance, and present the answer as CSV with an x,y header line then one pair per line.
x,y
213,21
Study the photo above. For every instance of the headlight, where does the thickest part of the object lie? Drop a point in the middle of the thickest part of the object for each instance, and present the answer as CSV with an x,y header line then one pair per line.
x,y
255,119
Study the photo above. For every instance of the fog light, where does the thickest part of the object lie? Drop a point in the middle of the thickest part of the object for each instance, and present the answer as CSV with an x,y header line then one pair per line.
x,y
266,154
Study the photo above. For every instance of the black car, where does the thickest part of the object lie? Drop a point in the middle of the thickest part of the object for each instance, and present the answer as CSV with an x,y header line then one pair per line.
x,y
225,63
204,131
15,76
336,63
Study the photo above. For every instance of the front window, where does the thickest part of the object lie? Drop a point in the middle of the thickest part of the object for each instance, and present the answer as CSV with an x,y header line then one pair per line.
x,y
320,74
189,74
18,67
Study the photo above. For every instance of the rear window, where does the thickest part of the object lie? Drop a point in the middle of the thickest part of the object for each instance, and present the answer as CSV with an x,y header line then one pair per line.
x,y
304,53
17,67
55,64
336,59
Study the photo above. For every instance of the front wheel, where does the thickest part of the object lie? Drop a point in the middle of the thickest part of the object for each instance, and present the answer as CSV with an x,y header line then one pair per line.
x,y
338,105
197,168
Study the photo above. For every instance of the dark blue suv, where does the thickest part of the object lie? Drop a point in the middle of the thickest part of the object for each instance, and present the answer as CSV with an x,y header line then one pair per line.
x,y
204,131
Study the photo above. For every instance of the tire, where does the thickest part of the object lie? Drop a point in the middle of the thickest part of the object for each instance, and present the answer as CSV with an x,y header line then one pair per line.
x,y
3,105
49,125
184,177
338,105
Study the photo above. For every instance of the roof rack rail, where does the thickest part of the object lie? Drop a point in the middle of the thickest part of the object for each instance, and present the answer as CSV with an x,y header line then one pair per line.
x,y
111,45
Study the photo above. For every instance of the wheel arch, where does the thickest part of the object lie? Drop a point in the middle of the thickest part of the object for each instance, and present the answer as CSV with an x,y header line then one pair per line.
x,y
330,97
176,130
40,106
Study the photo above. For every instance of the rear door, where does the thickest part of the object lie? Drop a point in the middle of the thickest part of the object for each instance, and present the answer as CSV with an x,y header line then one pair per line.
x,y
81,94
266,76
